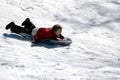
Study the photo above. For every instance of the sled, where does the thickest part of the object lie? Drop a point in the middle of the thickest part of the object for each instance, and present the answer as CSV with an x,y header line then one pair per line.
x,y
63,42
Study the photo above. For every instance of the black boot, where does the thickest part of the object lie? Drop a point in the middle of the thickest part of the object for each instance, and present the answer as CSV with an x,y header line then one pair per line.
x,y
27,20
28,25
11,24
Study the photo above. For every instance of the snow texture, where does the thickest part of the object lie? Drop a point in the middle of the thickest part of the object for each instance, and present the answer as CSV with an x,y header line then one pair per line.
x,y
93,26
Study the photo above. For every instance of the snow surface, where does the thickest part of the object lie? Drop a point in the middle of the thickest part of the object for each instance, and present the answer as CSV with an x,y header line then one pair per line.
x,y
93,26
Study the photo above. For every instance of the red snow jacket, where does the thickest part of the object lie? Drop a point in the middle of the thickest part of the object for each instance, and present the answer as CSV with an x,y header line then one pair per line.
x,y
44,33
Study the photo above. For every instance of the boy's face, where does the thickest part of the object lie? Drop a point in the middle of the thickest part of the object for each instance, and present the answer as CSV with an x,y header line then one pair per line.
x,y
58,32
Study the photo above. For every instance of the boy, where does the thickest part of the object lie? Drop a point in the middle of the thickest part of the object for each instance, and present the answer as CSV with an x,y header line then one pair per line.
x,y
37,33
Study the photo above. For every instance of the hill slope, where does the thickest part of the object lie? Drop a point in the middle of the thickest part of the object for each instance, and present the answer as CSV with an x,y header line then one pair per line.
x,y
92,25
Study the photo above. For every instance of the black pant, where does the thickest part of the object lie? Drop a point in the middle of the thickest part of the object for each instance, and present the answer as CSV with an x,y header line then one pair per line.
x,y
28,26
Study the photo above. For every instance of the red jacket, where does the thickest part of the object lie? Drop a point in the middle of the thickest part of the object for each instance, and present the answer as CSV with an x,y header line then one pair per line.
x,y
44,33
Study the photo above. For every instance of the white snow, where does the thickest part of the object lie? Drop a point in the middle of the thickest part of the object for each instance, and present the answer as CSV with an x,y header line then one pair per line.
x,y
93,26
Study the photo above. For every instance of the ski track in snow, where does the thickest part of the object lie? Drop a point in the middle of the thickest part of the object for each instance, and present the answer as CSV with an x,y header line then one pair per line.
x,y
93,26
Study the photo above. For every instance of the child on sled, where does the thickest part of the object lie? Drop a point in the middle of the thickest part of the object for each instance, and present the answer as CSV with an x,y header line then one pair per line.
x,y
37,33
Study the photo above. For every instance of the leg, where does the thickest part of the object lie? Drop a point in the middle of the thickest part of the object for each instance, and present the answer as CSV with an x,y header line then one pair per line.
x,y
28,25
15,28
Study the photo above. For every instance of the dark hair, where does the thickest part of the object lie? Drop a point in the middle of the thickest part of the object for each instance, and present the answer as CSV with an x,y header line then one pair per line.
x,y
56,27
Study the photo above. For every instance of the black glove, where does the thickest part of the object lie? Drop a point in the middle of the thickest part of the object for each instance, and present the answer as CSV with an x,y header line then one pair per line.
x,y
61,36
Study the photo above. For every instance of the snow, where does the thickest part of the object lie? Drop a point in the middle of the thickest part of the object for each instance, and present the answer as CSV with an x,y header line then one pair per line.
x,y
93,26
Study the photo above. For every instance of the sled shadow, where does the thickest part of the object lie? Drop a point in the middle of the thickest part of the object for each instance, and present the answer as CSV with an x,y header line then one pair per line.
x,y
39,44
49,46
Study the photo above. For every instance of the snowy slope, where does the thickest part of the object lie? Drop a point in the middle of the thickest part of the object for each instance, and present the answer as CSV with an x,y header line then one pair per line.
x,y
93,26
